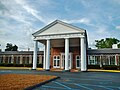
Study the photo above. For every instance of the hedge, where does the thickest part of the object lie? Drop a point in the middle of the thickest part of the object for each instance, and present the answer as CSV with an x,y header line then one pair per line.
x,y
111,67
93,67
19,65
106,67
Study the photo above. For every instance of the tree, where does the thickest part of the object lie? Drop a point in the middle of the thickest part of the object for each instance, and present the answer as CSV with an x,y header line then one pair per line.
x,y
10,47
15,48
107,43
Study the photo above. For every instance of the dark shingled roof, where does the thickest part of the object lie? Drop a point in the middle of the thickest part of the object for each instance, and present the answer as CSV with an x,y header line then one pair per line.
x,y
103,51
19,52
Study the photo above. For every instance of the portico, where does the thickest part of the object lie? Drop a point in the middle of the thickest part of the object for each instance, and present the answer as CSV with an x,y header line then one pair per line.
x,y
62,44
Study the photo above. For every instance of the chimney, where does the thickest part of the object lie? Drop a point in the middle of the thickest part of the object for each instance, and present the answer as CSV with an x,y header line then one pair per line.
x,y
114,46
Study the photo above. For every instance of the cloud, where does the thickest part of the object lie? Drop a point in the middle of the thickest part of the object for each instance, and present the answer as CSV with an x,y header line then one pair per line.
x,y
118,27
30,10
82,20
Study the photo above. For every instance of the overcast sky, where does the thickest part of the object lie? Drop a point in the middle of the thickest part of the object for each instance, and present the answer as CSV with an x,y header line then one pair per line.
x,y
20,18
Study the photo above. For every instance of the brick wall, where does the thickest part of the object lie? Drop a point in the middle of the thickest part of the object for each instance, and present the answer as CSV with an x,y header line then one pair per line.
x,y
58,50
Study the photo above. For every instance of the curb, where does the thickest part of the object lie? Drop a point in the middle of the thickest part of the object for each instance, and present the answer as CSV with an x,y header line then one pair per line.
x,y
112,71
40,84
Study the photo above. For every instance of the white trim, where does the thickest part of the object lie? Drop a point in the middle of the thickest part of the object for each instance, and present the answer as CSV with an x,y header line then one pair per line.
x,y
35,55
60,22
48,55
66,53
79,61
44,61
83,54
63,61
59,36
56,61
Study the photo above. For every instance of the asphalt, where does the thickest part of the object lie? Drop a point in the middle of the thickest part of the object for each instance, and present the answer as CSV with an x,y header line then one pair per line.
x,y
75,80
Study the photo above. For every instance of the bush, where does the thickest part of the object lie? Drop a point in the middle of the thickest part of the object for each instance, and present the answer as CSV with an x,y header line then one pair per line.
x,y
27,65
2,64
40,65
6,64
93,67
18,65
15,65
110,67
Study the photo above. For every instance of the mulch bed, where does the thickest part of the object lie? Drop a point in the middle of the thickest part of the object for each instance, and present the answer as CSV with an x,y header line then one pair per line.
x,y
21,81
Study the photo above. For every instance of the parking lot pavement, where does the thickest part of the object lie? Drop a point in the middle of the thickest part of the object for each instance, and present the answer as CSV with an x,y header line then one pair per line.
x,y
76,81
84,81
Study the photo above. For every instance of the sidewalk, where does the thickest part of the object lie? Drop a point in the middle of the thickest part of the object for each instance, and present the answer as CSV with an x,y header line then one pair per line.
x,y
18,68
72,70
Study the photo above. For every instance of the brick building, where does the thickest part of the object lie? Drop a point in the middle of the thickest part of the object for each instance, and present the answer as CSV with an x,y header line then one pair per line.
x,y
20,57
66,47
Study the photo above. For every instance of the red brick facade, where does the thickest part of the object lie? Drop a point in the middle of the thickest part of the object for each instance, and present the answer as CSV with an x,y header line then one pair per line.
x,y
58,50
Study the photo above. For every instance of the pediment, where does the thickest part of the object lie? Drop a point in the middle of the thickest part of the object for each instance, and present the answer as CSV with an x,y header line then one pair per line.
x,y
58,27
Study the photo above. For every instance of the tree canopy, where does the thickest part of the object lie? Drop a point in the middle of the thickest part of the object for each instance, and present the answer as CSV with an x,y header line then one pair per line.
x,y
107,43
10,47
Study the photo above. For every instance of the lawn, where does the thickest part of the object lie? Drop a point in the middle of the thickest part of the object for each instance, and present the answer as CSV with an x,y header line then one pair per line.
x,y
21,81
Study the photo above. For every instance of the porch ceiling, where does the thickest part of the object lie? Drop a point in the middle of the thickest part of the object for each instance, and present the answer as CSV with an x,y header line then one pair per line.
x,y
73,42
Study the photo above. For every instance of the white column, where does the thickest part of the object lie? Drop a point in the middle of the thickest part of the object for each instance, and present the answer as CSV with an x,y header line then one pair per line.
x,y
21,59
12,58
83,55
100,61
115,59
44,61
35,55
109,60
48,55
66,53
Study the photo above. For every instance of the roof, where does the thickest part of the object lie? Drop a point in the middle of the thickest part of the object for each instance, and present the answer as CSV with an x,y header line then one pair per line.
x,y
103,51
54,23
19,52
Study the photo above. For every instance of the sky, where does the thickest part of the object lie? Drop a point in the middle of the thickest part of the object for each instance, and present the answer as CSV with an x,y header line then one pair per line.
x,y
20,18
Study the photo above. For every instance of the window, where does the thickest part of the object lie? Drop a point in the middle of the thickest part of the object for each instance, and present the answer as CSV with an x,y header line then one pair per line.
x,y
92,60
38,60
78,61
118,60
1,59
105,60
112,60
23,60
27,61
56,61
6,59
9,59
97,60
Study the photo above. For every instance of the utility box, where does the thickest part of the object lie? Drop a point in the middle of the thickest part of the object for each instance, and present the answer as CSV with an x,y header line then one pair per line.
x,y
114,46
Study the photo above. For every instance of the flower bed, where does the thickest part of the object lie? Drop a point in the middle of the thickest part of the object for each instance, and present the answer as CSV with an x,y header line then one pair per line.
x,y
21,81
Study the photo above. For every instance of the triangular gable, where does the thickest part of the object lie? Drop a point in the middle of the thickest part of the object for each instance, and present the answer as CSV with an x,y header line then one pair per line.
x,y
58,27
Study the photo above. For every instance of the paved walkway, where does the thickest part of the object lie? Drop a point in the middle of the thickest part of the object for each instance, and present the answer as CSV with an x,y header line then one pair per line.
x,y
76,80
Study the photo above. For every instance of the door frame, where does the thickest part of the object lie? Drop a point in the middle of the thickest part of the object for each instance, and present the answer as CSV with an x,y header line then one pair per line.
x,y
56,61
63,61
79,61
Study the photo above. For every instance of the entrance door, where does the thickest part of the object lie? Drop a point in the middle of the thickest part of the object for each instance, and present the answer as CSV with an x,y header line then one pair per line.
x,y
63,60
56,61
78,61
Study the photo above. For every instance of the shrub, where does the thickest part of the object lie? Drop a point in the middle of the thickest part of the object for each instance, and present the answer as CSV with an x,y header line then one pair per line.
x,y
8,64
2,64
93,66
18,65
110,67
40,65
27,65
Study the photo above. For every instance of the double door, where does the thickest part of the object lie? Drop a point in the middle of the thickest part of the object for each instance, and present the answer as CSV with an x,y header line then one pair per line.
x,y
63,60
